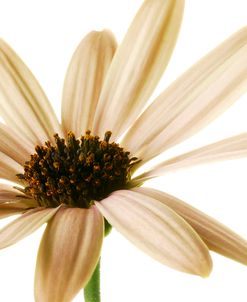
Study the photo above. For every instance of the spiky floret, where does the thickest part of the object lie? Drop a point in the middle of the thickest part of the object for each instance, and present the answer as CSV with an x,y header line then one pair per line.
x,y
78,171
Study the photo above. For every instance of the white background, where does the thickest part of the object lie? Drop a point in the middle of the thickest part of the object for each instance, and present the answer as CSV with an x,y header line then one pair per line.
x,y
45,34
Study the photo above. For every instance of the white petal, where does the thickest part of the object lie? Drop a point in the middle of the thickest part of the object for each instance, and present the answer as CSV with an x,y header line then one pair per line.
x,y
14,146
191,102
233,147
84,79
138,65
9,168
68,254
25,225
24,105
157,230
218,237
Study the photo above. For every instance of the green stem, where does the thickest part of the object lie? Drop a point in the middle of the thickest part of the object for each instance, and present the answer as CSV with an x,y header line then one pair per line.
x,y
92,289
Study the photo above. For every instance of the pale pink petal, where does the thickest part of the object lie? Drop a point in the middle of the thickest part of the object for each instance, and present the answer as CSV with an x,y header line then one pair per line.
x,y
8,193
218,237
68,254
15,207
191,102
157,230
9,168
12,197
24,105
25,225
230,148
14,145
138,65
84,79
12,200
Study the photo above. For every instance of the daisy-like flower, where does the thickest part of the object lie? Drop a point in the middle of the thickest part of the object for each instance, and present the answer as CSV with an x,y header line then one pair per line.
x,y
77,179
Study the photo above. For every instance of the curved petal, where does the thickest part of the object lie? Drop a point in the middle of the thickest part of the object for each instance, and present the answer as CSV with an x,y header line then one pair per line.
x,y
138,65
157,230
84,79
24,105
13,145
25,225
218,237
233,147
191,102
68,254
9,168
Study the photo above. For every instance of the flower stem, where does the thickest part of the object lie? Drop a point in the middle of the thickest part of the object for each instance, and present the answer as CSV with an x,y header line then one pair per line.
x,y
92,289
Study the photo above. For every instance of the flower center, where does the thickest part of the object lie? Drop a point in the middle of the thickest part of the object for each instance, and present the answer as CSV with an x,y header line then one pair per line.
x,y
76,172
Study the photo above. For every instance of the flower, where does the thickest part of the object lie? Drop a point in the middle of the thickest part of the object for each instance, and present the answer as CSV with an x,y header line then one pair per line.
x,y
73,183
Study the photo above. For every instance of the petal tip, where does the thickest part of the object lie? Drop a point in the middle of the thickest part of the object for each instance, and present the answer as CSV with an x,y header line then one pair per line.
x,y
206,268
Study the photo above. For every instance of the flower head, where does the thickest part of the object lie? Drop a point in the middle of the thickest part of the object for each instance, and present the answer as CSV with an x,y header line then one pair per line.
x,y
78,175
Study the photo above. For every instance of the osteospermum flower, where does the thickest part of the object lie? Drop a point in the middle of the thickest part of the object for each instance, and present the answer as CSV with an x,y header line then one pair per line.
x,y
75,177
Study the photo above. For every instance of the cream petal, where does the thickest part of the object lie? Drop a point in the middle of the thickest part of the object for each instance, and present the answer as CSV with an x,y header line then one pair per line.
x,y
68,254
9,168
14,145
157,230
233,147
6,211
191,102
15,207
14,197
138,65
24,105
84,79
25,225
218,237
9,193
